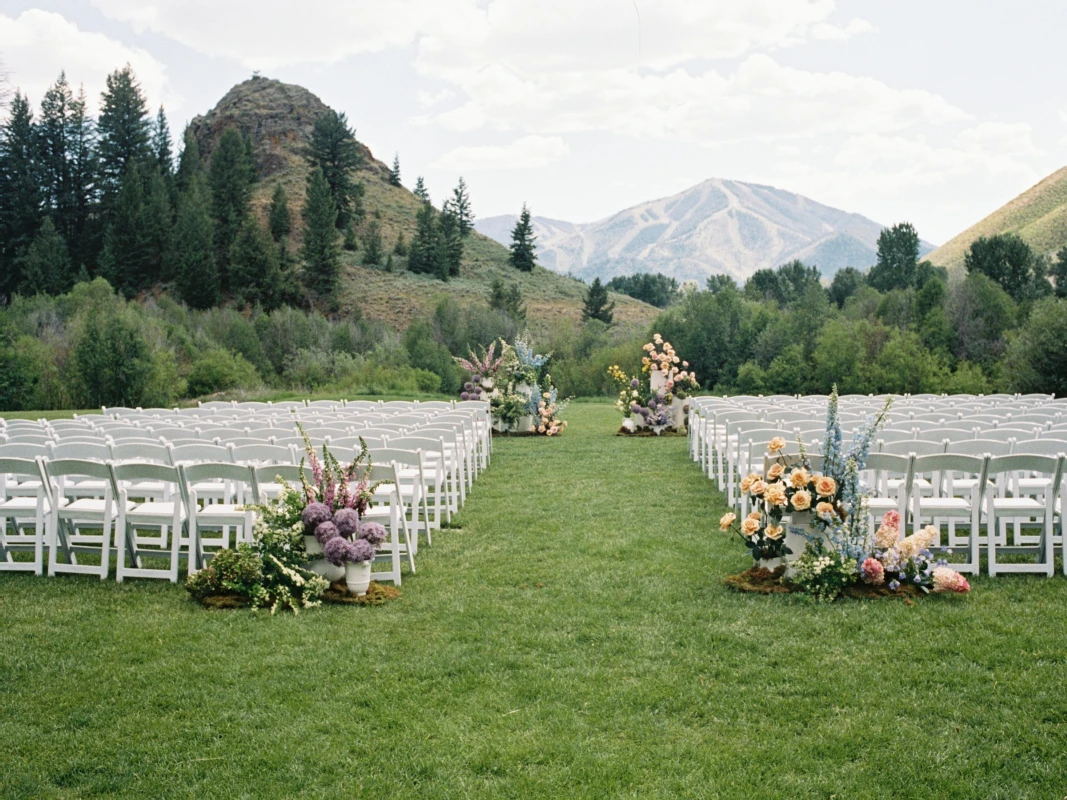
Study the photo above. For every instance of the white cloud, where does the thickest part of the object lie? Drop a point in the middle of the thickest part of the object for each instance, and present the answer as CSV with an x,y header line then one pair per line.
x,y
825,31
37,45
428,100
529,152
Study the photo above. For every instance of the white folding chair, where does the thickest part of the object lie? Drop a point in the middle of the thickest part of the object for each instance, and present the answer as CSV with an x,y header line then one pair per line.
x,y
167,516
1037,510
72,525
21,514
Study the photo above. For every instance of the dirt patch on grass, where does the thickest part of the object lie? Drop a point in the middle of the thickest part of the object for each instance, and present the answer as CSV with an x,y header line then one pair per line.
x,y
760,580
376,595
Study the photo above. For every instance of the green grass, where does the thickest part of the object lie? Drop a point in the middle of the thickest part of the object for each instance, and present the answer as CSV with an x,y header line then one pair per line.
x,y
573,639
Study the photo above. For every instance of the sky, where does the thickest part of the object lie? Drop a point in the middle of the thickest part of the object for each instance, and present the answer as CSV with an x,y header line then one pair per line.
x,y
936,111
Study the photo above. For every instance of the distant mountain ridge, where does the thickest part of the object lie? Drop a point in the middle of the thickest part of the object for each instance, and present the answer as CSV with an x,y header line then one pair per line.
x,y
1038,215
716,227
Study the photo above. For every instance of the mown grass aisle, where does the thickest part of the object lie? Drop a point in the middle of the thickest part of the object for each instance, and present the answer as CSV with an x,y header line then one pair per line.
x,y
573,639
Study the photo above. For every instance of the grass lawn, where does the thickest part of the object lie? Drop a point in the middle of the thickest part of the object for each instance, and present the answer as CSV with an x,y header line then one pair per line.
x,y
573,639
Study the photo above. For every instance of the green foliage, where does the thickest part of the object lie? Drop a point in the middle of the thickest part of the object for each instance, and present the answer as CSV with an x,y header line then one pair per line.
x,y
898,258
20,193
655,289
230,176
449,243
372,243
112,359
507,299
425,245
394,171
1008,261
783,286
523,252
460,206
846,283
127,258
1037,357
123,130
320,251
219,370
427,353
596,304
335,151
193,254
720,283
255,268
237,571
280,221
420,190
981,313
46,267
1059,273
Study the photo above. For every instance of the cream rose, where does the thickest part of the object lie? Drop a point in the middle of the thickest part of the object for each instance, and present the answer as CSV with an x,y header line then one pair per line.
x,y
747,481
802,500
774,531
825,486
799,478
726,521
758,486
750,526
776,444
824,509
775,472
775,494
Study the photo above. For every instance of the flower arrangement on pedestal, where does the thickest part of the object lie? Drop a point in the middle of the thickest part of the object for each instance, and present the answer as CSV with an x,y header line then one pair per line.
x,y
521,395
482,370
655,398
839,549
549,406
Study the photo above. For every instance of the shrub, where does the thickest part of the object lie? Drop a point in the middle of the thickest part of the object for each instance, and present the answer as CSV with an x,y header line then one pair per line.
x,y
219,370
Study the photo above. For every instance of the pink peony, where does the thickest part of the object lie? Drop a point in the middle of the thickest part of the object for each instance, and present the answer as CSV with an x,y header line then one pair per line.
x,y
947,579
873,571
891,519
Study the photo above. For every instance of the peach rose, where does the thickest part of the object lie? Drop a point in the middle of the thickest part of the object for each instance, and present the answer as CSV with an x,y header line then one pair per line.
x,y
825,486
824,509
754,515
774,531
726,521
758,486
775,472
775,494
748,480
799,478
802,500
776,444
750,526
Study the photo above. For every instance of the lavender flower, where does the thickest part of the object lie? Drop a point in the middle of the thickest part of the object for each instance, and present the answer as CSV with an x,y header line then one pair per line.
x,y
336,551
634,383
894,585
360,551
476,378
314,514
373,532
325,531
464,396
347,522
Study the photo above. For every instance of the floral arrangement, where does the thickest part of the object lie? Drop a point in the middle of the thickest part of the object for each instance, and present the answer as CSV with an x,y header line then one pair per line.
x,y
823,573
897,561
648,399
482,370
344,539
549,407
524,364
335,485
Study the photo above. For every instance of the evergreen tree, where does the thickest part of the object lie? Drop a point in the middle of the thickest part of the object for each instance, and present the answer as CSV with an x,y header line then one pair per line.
x,y
394,171
46,265
425,246
158,217
127,255
898,258
351,241
280,221
421,191
401,246
20,196
596,304
336,152
193,251
79,228
255,268
1059,272
124,130
523,255
189,162
230,178
53,155
1009,261
507,299
163,151
372,243
461,207
450,243
321,254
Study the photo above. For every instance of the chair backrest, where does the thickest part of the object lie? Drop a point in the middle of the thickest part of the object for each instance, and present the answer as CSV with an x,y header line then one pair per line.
x,y
1045,465
290,473
58,468
191,453
23,469
918,447
1039,447
30,450
84,450
152,452
137,471
980,447
38,437
264,454
217,471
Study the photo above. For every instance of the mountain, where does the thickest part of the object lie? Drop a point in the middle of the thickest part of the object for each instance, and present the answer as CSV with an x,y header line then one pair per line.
x,y
1038,215
716,227
278,119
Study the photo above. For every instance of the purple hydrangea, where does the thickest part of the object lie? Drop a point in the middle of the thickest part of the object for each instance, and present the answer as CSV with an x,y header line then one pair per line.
x,y
634,383
347,522
325,531
336,551
360,551
373,532
315,513
476,378
464,396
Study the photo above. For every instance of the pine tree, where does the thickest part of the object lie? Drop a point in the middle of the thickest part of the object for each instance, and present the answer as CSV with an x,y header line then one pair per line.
x,y
320,251
158,216
126,257
124,130
461,206
161,145
336,152
423,254
53,156
280,221
450,243
523,255
20,196
255,268
421,191
401,246
46,265
394,171
230,178
193,251
189,162
80,229
596,304
372,243
350,242
508,300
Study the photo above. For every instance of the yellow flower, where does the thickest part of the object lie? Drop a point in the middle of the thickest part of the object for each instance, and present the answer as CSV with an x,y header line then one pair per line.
x,y
776,444
748,480
825,486
802,500
726,521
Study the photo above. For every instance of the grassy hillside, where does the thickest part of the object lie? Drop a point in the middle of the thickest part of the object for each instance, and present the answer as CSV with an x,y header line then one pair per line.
x,y
1038,215
279,117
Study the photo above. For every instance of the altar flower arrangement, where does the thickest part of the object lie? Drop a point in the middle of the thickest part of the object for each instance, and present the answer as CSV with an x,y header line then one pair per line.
x,y
549,407
910,560
483,369
653,398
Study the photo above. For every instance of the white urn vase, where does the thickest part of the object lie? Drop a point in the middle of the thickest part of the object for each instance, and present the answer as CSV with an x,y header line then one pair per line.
x,y
628,425
769,563
524,424
357,577
657,380
677,414
318,564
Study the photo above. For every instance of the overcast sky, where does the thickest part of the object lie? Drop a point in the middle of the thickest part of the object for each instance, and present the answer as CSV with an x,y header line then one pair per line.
x,y
933,111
